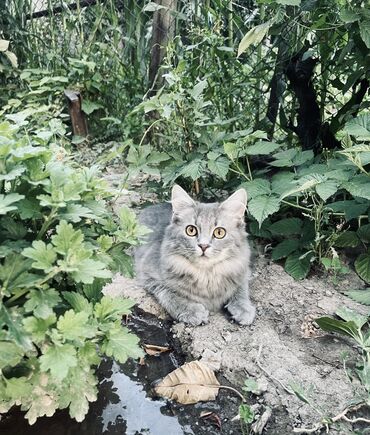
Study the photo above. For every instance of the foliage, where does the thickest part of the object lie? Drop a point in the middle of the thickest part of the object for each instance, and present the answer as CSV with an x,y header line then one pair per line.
x,y
59,245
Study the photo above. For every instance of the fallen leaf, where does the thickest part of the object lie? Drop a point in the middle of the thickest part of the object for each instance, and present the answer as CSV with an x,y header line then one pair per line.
x,y
153,349
191,383
212,417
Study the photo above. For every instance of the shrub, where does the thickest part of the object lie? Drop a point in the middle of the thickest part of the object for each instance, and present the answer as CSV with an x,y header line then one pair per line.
x,y
59,246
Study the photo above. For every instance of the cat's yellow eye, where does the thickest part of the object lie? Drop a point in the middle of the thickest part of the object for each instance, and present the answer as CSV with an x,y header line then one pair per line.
x,y
219,233
191,230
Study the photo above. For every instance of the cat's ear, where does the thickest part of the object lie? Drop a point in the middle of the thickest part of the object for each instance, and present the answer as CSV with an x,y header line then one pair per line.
x,y
236,204
180,200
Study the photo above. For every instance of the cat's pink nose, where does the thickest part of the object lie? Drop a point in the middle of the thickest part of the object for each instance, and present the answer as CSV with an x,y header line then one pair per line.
x,y
203,246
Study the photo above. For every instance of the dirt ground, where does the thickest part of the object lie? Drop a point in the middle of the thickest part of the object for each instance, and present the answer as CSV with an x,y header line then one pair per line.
x,y
282,347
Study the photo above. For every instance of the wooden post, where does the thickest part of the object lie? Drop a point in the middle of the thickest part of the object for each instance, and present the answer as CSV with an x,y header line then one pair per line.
x,y
163,31
78,119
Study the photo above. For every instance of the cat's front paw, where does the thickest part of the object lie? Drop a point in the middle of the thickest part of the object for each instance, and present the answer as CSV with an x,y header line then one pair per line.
x,y
195,314
242,314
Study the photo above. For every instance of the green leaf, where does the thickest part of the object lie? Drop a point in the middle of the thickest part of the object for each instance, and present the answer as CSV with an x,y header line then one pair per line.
x,y
121,345
10,354
112,309
263,206
253,37
365,32
339,326
17,388
348,16
89,106
250,385
42,302
38,327
7,200
121,262
352,316
296,266
327,189
78,302
351,208
12,328
300,392
232,150
286,227
78,392
364,233
362,266
284,248
44,255
359,126
67,238
219,167
89,269
75,326
361,296
29,209
256,187
246,413
193,169
58,360
262,148
347,239
198,89
14,274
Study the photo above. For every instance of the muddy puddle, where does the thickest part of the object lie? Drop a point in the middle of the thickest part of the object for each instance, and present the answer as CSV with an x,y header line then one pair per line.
x,y
125,402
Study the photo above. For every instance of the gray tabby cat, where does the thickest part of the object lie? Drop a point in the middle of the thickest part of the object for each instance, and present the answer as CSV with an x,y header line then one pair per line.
x,y
197,257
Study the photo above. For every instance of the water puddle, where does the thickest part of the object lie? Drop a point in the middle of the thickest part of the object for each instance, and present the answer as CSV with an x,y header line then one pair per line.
x,y
125,405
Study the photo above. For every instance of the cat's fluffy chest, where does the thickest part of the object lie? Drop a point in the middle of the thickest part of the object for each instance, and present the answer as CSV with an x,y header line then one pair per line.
x,y
204,282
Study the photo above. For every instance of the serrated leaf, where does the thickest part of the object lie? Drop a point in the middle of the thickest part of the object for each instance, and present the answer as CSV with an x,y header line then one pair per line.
x,y
326,189
193,169
296,266
42,302
286,227
111,309
284,248
362,266
352,316
351,208
58,360
75,326
10,354
29,209
38,327
246,413
347,239
262,148
232,150
219,167
256,187
89,269
361,296
253,37
121,345
263,206
12,328
67,238
6,202
364,233
78,302
14,274
18,387
365,32
44,255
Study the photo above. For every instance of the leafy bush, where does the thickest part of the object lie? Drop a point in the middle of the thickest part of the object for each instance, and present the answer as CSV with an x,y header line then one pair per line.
x,y
59,246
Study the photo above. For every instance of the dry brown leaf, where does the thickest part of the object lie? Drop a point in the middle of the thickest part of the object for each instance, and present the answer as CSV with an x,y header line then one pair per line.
x,y
153,349
191,383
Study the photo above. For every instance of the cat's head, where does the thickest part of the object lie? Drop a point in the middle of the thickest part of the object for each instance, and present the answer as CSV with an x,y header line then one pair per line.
x,y
208,233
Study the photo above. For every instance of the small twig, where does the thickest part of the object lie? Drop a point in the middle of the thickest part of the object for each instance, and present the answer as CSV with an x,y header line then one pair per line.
x,y
341,416
269,374
235,391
